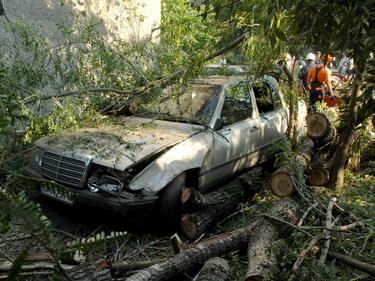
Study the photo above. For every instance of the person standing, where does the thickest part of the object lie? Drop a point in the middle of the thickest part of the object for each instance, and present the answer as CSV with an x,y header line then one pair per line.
x,y
343,65
281,68
318,77
304,71
317,58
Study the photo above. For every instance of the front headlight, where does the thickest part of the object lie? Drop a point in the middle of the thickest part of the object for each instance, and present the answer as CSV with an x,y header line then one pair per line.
x,y
105,183
35,158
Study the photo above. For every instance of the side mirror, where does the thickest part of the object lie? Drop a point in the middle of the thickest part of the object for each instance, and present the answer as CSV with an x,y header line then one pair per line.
x,y
218,123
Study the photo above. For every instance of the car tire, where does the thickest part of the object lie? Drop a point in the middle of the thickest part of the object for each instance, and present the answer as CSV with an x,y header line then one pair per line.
x,y
169,203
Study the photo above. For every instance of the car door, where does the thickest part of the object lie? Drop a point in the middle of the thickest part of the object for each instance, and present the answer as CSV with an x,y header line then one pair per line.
x,y
240,131
272,115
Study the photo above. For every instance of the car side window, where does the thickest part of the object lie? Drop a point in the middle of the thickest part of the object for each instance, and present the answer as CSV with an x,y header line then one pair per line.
x,y
237,105
263,97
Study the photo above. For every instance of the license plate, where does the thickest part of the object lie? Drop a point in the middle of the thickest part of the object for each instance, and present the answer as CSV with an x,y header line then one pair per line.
x,y
57,192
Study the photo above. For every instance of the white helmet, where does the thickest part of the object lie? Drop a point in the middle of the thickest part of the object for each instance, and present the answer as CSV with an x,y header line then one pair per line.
x,y
310,56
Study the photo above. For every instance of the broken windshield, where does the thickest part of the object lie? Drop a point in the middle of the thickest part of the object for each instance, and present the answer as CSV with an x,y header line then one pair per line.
x,y
195,103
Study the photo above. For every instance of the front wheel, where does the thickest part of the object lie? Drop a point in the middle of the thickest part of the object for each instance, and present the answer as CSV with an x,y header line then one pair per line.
x,y
169,203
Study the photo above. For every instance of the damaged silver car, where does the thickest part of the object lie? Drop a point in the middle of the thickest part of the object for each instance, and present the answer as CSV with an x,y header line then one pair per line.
x,y
196,136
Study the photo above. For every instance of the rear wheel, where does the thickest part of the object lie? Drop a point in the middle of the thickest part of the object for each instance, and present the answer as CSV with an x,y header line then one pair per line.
x,y
169,205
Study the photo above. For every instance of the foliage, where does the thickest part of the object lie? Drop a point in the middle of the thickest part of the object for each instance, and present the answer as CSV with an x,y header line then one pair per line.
x,y
18,206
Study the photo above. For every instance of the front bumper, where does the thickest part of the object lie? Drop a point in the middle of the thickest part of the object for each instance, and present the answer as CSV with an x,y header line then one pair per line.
x,y
135,207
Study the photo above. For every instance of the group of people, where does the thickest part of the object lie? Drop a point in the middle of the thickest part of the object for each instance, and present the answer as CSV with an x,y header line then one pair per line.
x,y
314,73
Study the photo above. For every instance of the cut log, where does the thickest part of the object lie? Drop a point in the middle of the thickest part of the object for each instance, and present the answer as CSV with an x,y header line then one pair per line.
x,y
318,176
195,224
282,183
214,269
322,133
318,125
217,205
233,191
191,258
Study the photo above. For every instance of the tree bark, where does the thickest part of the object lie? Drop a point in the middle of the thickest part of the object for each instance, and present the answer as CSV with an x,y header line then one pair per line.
x,y
214,269
89,272
213,207
189,259
234,191
344,143
260,263
366,267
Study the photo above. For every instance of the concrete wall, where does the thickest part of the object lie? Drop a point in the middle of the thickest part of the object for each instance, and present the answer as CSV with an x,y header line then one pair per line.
x,y
130,20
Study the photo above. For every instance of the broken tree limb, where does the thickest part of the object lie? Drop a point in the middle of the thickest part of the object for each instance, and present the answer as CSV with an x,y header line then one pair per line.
x,y
90,272
302,255
366,267
327,231
5,267
119,267
214,269
306,213
349,226
190,258
77,92
163,81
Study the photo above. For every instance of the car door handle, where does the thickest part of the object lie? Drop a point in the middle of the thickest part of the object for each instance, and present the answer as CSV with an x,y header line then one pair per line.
x,y
254,128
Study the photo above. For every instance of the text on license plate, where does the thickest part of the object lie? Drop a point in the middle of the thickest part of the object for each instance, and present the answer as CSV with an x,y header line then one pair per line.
x,y
58,193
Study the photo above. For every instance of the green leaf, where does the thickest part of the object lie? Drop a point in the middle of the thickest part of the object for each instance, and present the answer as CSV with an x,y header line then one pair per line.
x,y
17,265
280,34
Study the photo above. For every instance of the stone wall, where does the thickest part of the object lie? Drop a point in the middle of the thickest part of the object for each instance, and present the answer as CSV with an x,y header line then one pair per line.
x,y
130,20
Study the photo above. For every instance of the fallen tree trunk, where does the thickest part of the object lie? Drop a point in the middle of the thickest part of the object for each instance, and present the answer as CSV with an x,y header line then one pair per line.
x,y
89,272
214,269
214,206
260,263
189,259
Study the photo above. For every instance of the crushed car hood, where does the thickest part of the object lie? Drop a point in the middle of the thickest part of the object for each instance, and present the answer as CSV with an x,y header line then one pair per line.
x,y
121,145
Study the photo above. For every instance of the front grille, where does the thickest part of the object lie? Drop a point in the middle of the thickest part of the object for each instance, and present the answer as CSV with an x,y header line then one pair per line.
x,y
63,169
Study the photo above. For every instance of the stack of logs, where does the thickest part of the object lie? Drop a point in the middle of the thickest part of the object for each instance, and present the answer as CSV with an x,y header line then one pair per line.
x,y
316,162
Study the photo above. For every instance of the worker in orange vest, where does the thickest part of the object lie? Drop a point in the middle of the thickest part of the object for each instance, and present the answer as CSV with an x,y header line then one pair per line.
x,y
319,80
